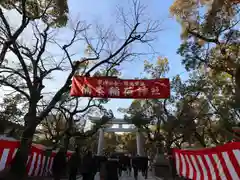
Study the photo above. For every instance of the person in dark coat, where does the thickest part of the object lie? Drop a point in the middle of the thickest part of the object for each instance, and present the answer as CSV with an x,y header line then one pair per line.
x,y
99,160
121,165
143,166
135,165
74,165
88,167
124,163
110,169
129,165
59,164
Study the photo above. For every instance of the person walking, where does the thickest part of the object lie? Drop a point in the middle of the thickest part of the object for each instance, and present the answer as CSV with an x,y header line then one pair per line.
x,y
109,169
74,164
59,164
88,167
135,165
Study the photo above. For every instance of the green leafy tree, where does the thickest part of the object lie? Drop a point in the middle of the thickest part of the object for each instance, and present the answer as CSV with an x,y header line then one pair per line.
x,y
73,112
211,47
211,38
67,127
219,93
10,112
142,113
53,12
192,12
110,142
128,140
189,116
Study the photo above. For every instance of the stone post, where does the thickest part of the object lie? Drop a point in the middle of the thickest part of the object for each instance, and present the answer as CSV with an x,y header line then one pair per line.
x,y
140,150
100,142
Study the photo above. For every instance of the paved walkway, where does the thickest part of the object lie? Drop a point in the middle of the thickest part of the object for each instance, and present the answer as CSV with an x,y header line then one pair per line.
x,y
126,177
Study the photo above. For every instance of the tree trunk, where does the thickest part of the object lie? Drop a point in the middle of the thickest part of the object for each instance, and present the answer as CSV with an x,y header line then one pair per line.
x,y
213,137
67,135
200,139
66,142
172,164
237,77
237,81
18,165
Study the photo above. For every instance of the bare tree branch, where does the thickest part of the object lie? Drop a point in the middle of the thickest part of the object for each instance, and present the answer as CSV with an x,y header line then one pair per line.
x,y
12,37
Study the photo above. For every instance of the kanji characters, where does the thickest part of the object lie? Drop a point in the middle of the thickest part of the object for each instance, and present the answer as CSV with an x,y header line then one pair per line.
x,y
114,91
155,91
125,83
161,84
128,91
100,90
119,88
131,84
86,90
142,91
136,83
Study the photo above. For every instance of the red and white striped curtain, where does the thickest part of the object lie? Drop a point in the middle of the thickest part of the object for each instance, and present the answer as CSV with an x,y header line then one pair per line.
x,y
37,165
218,163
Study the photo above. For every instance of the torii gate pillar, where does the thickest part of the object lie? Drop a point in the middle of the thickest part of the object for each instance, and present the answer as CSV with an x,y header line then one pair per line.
x,y
139,141
100,142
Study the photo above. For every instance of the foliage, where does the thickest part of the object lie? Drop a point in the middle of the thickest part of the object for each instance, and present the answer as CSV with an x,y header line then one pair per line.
x,y
211,48
211,39
199,113
53,12
10,112
67,121
110,142
53,126
204,13
144,112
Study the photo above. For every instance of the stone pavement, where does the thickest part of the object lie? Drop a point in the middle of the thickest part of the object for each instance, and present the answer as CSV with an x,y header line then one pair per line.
x,y
126,177
150,177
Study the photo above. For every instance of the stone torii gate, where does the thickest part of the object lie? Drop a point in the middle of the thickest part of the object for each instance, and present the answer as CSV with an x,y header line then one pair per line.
x,y
120,123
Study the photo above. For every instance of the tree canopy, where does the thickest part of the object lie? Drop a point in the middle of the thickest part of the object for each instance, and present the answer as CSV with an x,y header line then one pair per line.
x,y
198,113
211,39
54,13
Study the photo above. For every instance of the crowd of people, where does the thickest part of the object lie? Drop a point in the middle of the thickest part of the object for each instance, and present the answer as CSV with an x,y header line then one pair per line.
x,y
109,166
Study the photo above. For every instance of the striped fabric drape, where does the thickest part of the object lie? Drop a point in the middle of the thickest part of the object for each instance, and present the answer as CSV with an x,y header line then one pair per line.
x,y
218,163
38,163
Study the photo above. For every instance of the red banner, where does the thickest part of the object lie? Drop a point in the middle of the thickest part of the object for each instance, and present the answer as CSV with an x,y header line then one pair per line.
x,y
107,87
221,162
38,163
